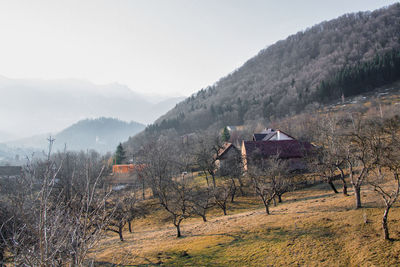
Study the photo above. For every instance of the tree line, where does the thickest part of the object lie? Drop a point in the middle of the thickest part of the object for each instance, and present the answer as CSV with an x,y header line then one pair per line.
x,y
361,77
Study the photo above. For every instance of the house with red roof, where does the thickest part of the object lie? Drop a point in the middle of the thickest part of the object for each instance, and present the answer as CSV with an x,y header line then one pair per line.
x,y
275,143
124,175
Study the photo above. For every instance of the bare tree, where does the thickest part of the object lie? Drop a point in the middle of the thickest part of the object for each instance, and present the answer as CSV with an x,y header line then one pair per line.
x,y
331,155
162,169
359,154
206,155
118,218
48,228
231,168
262,186
122,210
201,200
270,178
174,197
7,224
385,179
222,192
322,164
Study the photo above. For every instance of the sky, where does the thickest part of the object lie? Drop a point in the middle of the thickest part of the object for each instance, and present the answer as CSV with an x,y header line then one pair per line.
x,y
163,47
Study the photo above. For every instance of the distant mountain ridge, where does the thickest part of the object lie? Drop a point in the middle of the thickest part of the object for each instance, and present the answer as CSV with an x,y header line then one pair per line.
x,y
101,134
40,106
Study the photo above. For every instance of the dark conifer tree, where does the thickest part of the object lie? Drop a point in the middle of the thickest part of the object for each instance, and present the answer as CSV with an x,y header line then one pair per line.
x,y
119,156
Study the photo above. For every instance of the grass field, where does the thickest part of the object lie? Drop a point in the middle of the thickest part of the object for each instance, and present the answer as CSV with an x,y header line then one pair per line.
x,y
313,227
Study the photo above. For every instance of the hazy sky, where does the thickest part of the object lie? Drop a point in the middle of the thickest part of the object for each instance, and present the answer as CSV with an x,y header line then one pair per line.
x,y
173,47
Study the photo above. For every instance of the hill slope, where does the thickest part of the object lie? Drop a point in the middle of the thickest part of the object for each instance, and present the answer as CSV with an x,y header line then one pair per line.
x,y
102,135
312,227
291,75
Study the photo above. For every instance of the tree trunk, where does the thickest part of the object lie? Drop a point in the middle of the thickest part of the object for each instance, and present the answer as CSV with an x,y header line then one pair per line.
x,y
344,188
208,182
204,218
343,181
357,192
332,186
280,198
266,207
1,256
120,233
143,189
224,209
233,193
241,187
213,178
178,230
274,200
385,224
130,226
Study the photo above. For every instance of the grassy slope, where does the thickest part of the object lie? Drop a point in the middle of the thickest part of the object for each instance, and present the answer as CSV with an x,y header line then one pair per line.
x,y
312,227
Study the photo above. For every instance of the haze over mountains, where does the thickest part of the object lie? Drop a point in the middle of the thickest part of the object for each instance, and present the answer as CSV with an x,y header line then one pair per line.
x,y
33,107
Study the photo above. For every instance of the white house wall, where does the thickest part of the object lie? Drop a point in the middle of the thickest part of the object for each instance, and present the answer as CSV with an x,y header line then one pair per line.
x,y
279,136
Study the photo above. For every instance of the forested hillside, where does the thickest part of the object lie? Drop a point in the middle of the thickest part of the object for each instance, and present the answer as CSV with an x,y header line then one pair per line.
x,y
349,55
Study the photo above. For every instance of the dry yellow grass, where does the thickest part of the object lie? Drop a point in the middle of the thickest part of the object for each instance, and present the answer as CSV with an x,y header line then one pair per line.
x,y
313,227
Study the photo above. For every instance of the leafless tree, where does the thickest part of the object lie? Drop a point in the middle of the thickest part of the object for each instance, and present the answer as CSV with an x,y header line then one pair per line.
x,y
122,209
162,169
118,218
231,168
321,163
201,200
270,178
222,192
206,153
174,197
48,228
360,157
385,178
330,156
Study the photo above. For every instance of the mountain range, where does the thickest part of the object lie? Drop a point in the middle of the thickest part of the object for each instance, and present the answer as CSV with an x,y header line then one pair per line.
x,y
32,107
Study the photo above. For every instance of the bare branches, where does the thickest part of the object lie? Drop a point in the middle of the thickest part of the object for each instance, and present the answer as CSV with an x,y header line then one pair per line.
x,y
270,178
48,228
385,177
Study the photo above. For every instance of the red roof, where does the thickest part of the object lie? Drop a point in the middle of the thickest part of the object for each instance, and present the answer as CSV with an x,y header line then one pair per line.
x,y
283,148
127,168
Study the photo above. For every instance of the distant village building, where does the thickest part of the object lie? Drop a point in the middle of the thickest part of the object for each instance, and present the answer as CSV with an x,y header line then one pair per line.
x,y
266,144
271,135
236,128
125,175
226,152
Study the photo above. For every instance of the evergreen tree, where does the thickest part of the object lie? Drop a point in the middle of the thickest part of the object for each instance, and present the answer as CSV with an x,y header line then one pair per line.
x,y
119,155
225,135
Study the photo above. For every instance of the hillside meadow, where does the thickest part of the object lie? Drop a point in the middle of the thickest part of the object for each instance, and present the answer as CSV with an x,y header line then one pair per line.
x,y
312,227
